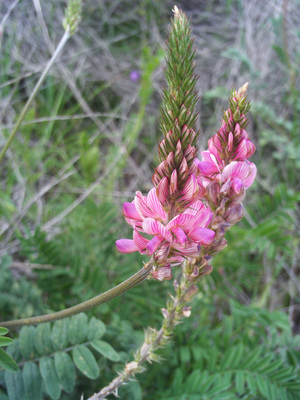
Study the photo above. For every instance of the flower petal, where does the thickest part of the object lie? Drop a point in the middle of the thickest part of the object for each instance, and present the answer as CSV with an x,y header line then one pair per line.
x,y
249,180
162,273
236,169
140,241
181,236
155,206
162,190
191,250
126,246
202,235
153,245
129,211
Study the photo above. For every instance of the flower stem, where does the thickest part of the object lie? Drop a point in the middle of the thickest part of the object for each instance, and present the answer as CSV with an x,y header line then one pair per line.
x,y
58,50
87,305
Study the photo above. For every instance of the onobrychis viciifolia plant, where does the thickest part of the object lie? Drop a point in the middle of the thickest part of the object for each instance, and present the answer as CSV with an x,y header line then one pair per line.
x,y
183,219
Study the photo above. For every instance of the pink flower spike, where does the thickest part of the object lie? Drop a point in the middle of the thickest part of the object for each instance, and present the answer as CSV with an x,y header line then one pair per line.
x,y
126,246
162,190
153,245
202,235
129,211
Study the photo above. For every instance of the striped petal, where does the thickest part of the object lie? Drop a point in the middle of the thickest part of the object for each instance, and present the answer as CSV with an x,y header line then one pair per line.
x,y
236,169
191,250
202,235
155,206
190,189
153,245
126,246
181,236
162,190
249,180
206,168
143,210
129,211
140,241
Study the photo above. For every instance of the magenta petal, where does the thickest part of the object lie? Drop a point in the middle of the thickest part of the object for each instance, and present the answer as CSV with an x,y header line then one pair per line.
x,y
190,189
180,235
126,246
150,226
195,207
237,186
191,250
153,245
207,168
129,211
162,190
248,182
140,241
154,205
236,169
140,202
202,235
204,219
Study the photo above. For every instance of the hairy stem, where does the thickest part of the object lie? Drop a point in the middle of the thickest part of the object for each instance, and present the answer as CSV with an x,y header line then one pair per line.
x,y
87,305
58,50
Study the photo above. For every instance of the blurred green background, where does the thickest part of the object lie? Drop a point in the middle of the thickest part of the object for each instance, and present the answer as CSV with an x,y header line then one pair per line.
x,y
89,142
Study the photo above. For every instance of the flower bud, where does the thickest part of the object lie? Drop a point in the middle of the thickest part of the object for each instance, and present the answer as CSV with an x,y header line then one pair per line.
x,y
234,214
213,192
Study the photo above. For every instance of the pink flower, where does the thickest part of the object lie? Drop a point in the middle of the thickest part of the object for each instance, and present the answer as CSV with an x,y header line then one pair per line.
x,y
182,236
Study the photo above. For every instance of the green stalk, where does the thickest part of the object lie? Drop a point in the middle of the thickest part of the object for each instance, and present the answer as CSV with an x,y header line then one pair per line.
x,y
87,305
58,50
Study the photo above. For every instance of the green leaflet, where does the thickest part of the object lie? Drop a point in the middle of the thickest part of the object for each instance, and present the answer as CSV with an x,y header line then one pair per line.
x,y
43,343
3,331
65,370
7,362
50,377
85,361
5,341
96,329
78,328
26,341
32,381
60,334
106,350
14,384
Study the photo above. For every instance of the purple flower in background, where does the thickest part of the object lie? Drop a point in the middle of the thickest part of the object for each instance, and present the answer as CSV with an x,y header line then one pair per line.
x,y
135,76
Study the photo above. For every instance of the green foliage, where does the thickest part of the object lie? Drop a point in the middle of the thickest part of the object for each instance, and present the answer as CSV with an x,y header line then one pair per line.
x,y
18,296
243,356
51,356
6,361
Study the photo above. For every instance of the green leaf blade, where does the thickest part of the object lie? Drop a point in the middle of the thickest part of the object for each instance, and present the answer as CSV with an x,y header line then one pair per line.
x,y
7,362
50,377
85,361
106,350
65,370
32,381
